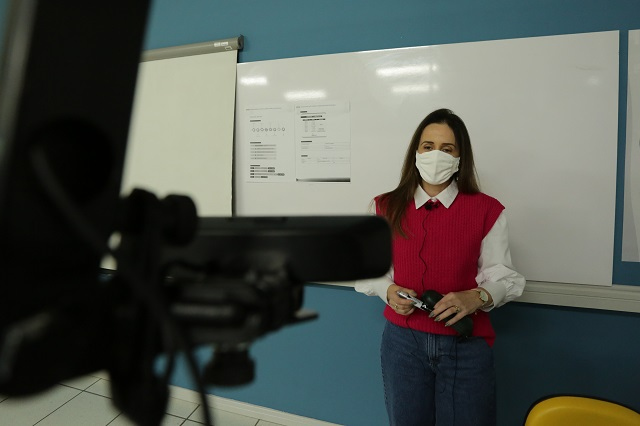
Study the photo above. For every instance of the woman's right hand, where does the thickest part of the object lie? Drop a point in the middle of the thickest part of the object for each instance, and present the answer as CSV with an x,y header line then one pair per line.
x,y
399,304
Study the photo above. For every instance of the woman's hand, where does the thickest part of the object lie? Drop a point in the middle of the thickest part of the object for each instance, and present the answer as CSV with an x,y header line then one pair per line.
x,y
399,304
459,303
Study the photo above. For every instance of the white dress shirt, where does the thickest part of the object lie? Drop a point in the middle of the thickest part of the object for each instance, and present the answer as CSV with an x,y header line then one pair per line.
x,y
496,274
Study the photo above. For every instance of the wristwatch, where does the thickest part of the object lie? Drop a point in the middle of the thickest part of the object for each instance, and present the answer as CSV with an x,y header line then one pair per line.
x,y
482,294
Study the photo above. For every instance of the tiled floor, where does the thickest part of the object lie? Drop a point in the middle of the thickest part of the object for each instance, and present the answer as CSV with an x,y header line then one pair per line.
x,y
86,401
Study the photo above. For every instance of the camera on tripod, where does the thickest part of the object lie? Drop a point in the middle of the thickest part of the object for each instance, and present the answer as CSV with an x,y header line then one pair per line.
x,y
180,281
243,277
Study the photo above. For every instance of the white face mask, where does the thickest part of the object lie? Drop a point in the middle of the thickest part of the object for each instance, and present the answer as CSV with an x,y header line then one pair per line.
x,y
436,167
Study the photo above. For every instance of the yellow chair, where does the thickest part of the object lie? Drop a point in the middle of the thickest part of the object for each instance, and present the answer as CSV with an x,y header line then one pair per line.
x,y
580,411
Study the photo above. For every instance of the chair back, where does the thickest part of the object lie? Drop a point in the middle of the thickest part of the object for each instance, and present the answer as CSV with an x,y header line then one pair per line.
x,y
567,410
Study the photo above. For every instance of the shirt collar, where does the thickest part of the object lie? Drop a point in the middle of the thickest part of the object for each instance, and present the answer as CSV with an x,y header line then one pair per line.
x,y
446,196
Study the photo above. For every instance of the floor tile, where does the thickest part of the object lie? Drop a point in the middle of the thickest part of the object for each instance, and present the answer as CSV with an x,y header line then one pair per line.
x,y
80,383
122,420
169,420
224,418
100,387
175,406
67,404
180,408
27,411
85,409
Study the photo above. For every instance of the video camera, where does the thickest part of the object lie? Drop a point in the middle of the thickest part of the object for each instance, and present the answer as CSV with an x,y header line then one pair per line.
x,y
67,81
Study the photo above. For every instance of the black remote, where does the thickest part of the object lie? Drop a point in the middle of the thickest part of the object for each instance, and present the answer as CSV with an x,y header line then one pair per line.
x,y
464,326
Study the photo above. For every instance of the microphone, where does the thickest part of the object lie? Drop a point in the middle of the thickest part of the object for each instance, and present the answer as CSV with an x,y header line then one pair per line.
x,y
431,204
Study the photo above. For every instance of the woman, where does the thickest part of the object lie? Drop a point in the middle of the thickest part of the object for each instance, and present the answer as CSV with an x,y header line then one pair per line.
x,y
448,237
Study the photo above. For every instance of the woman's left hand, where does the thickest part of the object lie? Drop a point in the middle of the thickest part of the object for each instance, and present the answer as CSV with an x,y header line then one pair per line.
x,y
459,303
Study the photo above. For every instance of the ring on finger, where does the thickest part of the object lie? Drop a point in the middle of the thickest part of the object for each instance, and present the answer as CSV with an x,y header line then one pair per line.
x,y
457,308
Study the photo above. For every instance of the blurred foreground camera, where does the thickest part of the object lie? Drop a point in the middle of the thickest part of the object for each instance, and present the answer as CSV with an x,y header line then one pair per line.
x,y
243,277
180,281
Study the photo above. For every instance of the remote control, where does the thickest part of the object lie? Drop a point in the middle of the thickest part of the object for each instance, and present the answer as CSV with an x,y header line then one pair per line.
x,y
464,326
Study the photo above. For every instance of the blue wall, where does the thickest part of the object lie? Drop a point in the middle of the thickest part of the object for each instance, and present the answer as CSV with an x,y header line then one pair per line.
x,y
328,369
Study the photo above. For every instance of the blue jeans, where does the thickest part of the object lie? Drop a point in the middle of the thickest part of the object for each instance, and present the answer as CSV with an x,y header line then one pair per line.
x,y
436,380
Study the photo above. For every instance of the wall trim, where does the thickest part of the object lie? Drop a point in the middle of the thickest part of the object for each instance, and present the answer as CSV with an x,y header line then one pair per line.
x,y
621,298
616,297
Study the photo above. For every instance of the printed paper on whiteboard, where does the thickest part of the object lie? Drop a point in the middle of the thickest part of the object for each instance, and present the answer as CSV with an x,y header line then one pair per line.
x,y
323,142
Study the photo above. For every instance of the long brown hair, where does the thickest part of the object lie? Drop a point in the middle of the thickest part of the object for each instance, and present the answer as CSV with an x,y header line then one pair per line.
x,y
393,204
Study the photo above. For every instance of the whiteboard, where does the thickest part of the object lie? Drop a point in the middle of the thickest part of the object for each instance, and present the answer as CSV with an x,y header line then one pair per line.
x,y
181,134
542,113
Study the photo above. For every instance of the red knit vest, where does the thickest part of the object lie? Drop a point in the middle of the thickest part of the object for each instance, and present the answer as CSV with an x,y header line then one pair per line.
x,y
441,253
